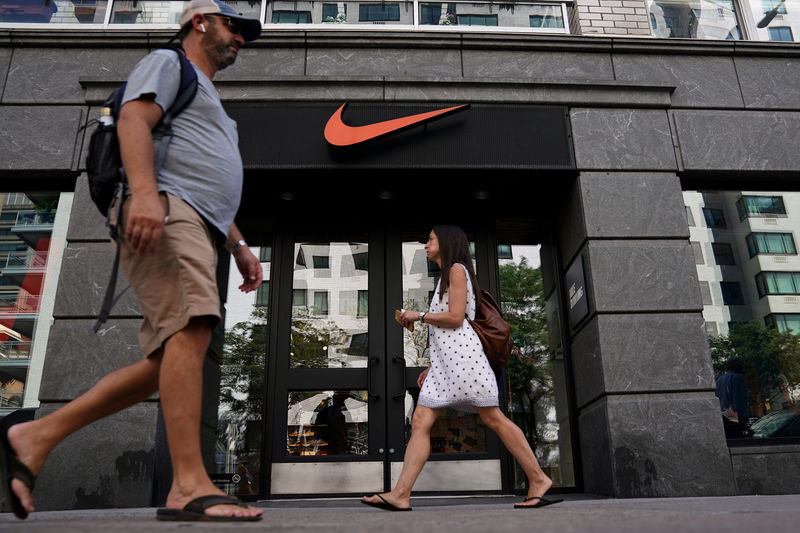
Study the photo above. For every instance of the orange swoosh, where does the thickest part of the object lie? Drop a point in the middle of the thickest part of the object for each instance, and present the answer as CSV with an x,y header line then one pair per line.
x,y
338,133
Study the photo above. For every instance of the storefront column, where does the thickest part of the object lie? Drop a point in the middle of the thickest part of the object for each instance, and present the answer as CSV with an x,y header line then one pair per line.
x,y
648,420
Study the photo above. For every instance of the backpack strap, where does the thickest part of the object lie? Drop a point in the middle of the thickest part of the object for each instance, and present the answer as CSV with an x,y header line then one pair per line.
x,y
186,93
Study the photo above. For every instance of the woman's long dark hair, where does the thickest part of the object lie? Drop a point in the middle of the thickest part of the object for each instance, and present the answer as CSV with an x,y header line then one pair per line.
x,y
454,248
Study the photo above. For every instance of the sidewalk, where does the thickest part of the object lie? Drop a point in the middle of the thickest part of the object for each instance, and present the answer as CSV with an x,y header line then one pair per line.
x,y
579,513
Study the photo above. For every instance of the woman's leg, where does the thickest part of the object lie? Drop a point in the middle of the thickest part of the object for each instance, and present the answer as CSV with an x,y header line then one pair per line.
x,y
417,452
515,442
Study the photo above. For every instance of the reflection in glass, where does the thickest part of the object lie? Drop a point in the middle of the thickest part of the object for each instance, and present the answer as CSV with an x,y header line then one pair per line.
x,y
290,12
168,12
330,304
327,423
536,384
453,432
53,11
694,19
419,282
753,336
515,15
241,405
776,20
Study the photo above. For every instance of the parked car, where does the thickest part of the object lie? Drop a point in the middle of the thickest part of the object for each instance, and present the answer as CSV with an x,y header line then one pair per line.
x,y
784,423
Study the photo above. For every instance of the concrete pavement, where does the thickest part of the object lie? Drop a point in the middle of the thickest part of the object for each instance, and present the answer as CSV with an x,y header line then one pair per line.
x,y
579,513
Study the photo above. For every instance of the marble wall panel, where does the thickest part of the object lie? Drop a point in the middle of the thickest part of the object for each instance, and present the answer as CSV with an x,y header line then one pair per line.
x,y
658,275
622,139
85,221
738,140
766,469
571,224
769,82
700,81
77,358
375,62
669,445
39,137
633,205
5,60
51,75
537,66
108,464
260,63
587,364
595,448
85,273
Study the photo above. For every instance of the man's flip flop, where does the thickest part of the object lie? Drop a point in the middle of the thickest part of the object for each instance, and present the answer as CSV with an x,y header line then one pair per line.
x,y
386,506
195,511
12,468
543,502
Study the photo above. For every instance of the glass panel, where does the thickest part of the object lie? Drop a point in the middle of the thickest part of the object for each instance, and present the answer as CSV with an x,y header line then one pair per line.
x,y
453,432
26,227
241,405
755,342
536,384
776,20
327,423
168,12
53,11
511,14
290,12
694,19
330,304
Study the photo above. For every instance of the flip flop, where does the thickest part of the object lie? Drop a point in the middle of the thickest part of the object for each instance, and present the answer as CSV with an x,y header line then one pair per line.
x,y
386,506
12,468
195,511
543,502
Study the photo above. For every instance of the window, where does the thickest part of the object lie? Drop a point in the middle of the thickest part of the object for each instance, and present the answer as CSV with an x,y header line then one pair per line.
x,y
331,13
698,253
732,293
363,303
291,17
298,297
770,243
685,19
711,329
320,303
321,261
265,254
781,33
769,5
689,216
504,251
777,283
262,294
378,12
759,206
784,322
361,261
477,20
705,293
723,253
715,218
546,17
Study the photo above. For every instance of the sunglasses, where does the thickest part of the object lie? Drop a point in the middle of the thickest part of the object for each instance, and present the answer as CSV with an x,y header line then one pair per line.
x,y
233,25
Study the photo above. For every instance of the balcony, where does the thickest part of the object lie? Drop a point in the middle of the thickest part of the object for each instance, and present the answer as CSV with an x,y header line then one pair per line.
x,y
14,351
20,265
18,311
33,225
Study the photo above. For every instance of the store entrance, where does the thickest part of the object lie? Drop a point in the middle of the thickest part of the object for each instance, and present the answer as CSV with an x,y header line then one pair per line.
x,y
345,373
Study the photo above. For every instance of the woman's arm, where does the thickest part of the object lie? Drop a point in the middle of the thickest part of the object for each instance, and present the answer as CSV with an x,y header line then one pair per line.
x,y
457,300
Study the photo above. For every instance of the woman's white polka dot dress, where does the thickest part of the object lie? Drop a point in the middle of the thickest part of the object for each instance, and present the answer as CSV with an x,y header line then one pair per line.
x,y
460,375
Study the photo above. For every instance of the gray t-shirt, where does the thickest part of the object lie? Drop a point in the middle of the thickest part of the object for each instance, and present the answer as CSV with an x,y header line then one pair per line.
x,y
202,165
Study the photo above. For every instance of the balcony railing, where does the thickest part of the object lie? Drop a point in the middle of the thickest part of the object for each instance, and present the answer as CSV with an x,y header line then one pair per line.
x,y
19,304
15,350
26,261
26,219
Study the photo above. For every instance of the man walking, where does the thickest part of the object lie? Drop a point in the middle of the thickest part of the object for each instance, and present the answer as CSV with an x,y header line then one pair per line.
x,y
170,227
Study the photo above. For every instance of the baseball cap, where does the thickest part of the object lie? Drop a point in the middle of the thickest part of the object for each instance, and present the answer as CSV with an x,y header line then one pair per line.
x,y
251,28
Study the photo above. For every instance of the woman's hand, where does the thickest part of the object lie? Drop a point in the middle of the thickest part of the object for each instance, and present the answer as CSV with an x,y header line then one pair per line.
x,y
422,376
408,316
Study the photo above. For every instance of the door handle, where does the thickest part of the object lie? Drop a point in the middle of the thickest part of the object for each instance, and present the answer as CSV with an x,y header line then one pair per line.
x,y
401,394
369,378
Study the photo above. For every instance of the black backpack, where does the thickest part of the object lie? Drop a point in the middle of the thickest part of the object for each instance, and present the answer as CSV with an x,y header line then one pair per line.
x,y
104,163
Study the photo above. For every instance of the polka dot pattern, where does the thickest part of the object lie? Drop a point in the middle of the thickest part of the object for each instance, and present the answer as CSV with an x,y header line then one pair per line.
x,y
460,375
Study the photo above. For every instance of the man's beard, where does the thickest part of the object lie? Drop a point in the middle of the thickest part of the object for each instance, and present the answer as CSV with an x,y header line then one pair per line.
x,y
222,55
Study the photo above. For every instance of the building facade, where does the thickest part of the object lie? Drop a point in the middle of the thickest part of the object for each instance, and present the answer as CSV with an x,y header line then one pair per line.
x,y
574,170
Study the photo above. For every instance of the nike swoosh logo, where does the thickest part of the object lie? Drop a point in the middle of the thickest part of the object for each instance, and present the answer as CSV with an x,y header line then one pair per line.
x,y
338,133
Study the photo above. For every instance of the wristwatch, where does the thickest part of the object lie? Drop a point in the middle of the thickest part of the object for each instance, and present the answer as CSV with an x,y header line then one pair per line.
x,y
422,316
238,245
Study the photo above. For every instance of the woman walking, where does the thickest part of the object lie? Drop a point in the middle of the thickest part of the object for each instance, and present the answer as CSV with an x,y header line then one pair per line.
x,y
459,375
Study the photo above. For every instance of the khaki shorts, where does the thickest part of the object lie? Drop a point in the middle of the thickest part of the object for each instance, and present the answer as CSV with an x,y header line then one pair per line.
x,y
179,281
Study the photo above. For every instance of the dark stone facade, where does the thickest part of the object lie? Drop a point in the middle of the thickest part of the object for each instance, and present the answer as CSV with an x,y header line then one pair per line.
x,y
646,115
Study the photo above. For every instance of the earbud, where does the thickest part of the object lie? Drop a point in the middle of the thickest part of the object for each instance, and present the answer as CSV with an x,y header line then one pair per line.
x,y
203,27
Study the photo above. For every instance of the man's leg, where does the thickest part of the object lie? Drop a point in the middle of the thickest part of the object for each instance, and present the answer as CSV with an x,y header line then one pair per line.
x,y
181,386
33,441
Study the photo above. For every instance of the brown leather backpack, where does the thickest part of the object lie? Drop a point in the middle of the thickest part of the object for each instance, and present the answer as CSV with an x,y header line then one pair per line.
x,y
494,332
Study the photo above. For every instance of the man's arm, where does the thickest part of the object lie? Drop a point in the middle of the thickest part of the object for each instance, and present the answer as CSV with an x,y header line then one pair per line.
x,y
247,263
145,223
